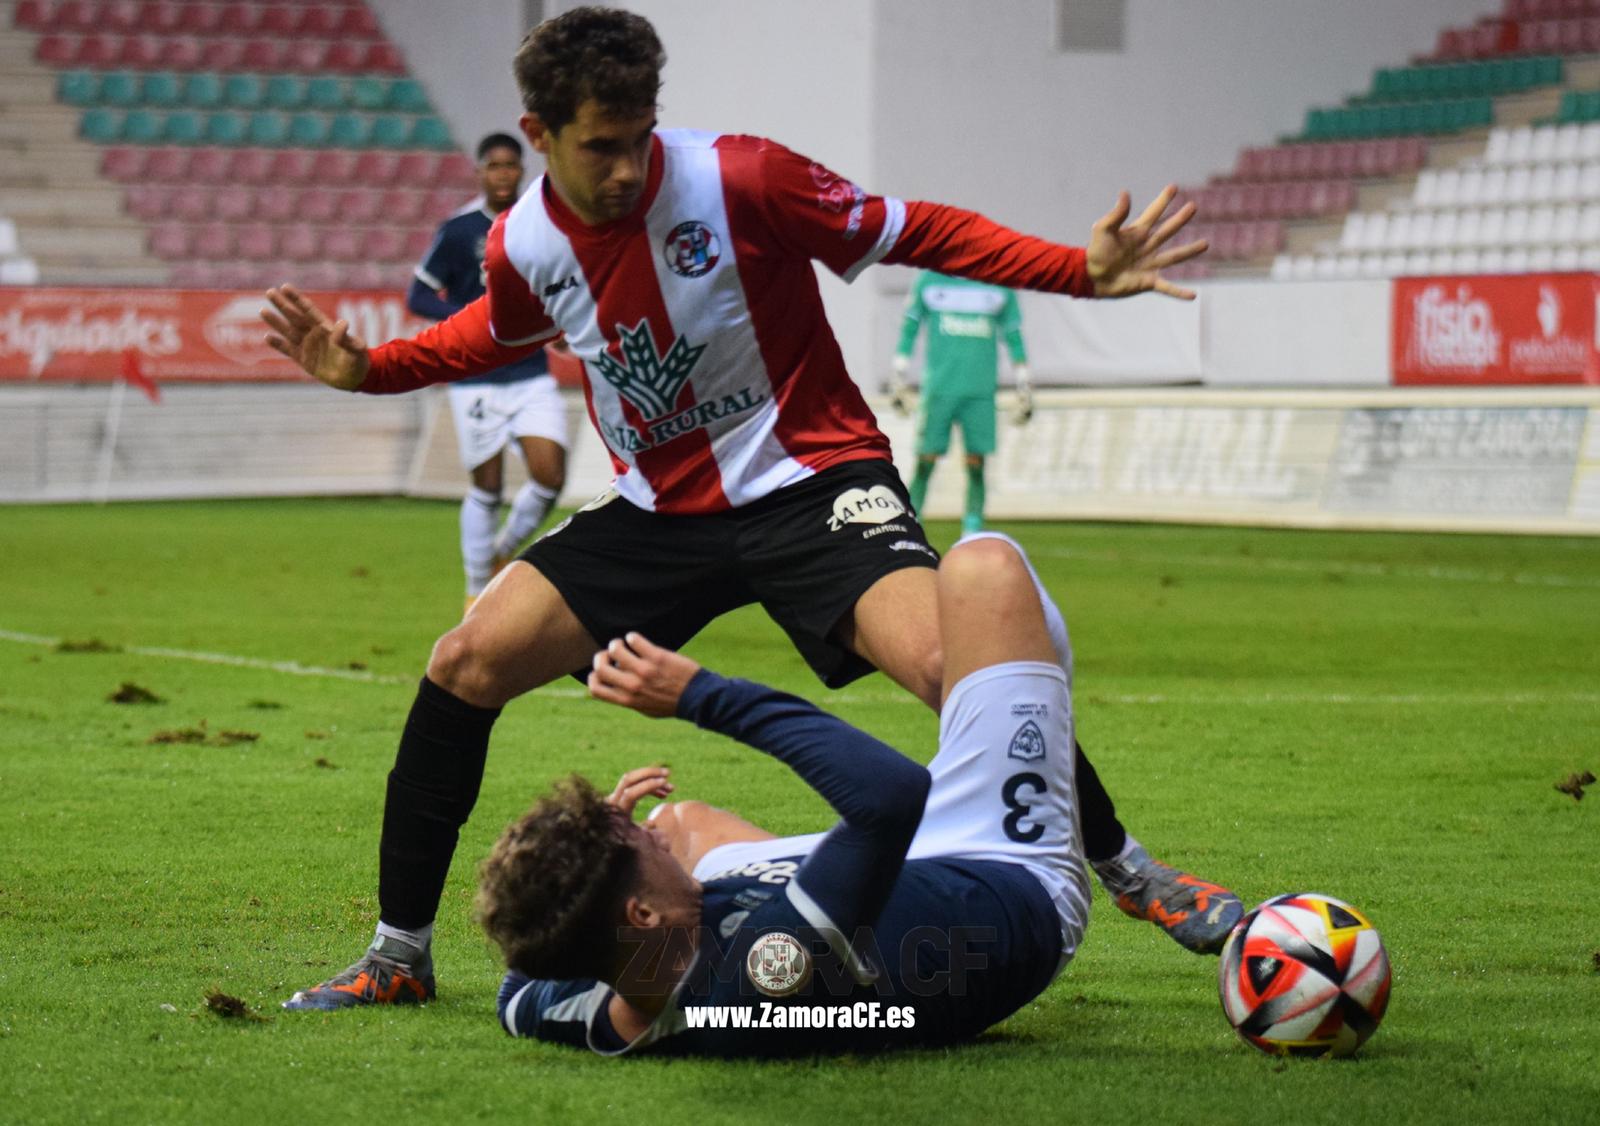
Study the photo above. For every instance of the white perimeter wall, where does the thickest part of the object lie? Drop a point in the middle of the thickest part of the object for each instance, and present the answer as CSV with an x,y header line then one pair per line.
x,y
964,101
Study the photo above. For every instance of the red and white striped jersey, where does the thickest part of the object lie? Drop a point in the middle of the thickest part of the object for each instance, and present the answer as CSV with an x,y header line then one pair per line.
x,y
710,370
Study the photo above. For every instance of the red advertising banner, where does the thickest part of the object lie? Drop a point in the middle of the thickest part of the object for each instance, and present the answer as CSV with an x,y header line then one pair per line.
x,y
193,336
1526,328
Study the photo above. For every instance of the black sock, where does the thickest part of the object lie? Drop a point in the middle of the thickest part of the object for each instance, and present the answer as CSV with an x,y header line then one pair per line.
x,y
1103,834
432,789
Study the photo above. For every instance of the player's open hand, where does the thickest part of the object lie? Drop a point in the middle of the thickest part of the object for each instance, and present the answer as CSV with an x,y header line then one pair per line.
x,y
638,674
1124,260
644,782
325,349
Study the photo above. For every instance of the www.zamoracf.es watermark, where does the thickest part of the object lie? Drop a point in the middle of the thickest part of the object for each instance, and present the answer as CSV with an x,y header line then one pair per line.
x,y
861,1014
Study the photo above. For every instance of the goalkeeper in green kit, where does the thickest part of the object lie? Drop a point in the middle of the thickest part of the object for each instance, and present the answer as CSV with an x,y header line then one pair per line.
x,y
966,321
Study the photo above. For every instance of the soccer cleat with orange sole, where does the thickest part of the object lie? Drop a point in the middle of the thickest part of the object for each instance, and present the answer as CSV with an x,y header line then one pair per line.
x,y
1197,914
377,979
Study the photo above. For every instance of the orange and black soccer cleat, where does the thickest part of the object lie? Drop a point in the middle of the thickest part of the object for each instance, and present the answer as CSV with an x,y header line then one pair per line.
x,y
1197,914
390,973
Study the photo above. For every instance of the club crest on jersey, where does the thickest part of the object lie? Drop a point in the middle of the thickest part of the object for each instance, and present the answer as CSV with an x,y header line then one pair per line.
x,y
778,965
691,249
877,505
1027,744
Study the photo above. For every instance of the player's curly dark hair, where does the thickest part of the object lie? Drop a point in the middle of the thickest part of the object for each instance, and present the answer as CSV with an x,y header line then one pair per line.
x,y
606,54
555,883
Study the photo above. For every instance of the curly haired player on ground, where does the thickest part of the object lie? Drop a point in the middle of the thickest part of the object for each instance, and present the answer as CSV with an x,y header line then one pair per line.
x,y
678,264
942,901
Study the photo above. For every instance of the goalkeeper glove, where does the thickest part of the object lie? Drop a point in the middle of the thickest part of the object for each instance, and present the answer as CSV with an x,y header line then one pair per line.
x,y
1024,410
900,392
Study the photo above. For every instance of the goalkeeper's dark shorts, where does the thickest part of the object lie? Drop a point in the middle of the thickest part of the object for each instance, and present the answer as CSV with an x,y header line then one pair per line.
x,y
806,553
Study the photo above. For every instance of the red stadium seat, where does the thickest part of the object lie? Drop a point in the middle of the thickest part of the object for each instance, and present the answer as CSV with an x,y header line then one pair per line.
x,y
456,168
385,244
338,166
344,58
180,53
160,17
418,169
214,241
140,52
319,21
221,54
361,206
76,15
402,206
170,241
383,58
238,19
263,55
293,166
233,203
147,202
211,166
56,50
377,166
442,201
279,19
317,205
167,165
304,56
319,274
251,166
33,15
357,22
277,203
98,51
256,242
193,275
123,163
237,274
374,275
199,19
342,244
416,244
191,203
121,15
300,242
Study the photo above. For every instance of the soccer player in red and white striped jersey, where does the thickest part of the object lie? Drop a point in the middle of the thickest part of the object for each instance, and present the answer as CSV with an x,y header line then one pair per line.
x,y
678,266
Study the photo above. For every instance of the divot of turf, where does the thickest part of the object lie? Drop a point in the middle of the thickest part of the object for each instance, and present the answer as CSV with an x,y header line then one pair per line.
x,y
229,1007
265,705
131,693
1574,783
87,645
200,735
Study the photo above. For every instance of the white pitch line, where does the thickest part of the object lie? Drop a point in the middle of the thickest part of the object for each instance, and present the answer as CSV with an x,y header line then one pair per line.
x,y
563,692
1306,566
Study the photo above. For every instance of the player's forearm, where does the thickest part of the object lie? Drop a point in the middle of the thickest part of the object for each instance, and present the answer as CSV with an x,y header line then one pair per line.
x,y
424,302
455,348
964,243
869,784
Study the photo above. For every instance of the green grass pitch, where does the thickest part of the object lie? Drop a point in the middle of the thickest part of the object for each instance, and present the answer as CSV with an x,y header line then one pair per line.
x,y
1379,717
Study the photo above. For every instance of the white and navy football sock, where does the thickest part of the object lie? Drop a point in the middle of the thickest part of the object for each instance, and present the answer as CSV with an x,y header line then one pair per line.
x,y
528,509
480,512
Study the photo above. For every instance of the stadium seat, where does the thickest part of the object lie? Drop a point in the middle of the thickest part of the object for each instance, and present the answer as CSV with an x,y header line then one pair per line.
x,y
377,167
221,54
238,19
170,241
406,95
456,168
281,20
338,166
256,242
308,130
276,203
388,132
342,244
374,275
300,242
142,127
348,131
417,169
304,56
402,205
123,163
267,129
160,17
293,166
182,128
76,15
98,51
180,53
356,21
78,88
227,129
118,88
361,206
441,202
368,93
56,50
319,21
324,93
317,205
261,55
167,165
32,15
202,91
147,202
141,52
189,202
161,90
431,133
194,275
233,203
345,58
251,166
283,92
242,91
385,244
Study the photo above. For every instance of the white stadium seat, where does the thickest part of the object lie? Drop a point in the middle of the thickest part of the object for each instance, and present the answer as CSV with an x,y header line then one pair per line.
x,y
1516,230
1421,233
1517,260
1493,229
1589,181
1469,190
1349,266
1565,189
1566,147
1467,261
1541,186
1492,261
1441,262
1376,232
1499,145
1564,231
1494,186
1589,224
1282,268
1520,145
8,239
1417,263
1355,230
1566,258
1589,257
19,271
1589,141
1427,190
1517,184
1445,227
1372,265
1541,258
1323,267
1398,234
1544,145
1394,264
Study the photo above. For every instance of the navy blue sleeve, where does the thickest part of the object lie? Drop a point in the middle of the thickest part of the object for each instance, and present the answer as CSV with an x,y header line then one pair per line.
x,y
553,1011
424,302
878,793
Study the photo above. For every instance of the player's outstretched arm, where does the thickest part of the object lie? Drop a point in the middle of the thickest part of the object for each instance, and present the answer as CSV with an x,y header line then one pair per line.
x,y
1127,258
324,348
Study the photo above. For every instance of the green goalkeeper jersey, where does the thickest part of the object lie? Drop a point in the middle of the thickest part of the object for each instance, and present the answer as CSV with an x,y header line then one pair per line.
x,y
964,319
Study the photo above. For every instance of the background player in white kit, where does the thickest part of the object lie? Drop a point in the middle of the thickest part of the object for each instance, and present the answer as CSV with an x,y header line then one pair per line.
x,y
518,402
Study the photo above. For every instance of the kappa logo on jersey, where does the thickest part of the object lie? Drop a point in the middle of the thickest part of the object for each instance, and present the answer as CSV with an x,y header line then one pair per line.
x,y
778,965
566,283
691,249
877,505
1027,744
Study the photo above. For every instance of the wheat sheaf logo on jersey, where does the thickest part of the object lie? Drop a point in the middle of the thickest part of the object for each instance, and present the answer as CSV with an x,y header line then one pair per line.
x,y
691,249
646,377
777,964
1027,744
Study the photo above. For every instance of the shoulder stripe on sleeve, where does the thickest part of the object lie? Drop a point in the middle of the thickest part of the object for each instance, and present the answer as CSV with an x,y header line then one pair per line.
x,y
894,221
812,912
548,334
427,279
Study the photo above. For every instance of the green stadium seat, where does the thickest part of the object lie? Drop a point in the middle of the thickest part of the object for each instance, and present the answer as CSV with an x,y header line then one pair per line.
x,y
408,96
368,93
267,130
324,93
119,88
202,91
349,131
242,91
78,87
226,129
308,130
389,132
182,128
162,89
141,127
102,126
431,133
283,91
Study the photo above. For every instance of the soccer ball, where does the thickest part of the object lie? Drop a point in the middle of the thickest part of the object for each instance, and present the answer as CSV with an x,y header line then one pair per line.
x,y
1304,975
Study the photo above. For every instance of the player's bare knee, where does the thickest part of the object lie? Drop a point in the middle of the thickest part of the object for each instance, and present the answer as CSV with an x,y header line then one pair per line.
x,y
460,665
983,564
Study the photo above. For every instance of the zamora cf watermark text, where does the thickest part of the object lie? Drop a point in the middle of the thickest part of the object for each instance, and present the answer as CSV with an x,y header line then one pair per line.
x,y
861,1014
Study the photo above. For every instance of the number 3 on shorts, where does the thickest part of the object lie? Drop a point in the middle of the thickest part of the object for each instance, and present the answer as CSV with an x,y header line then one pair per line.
x,y
1019,809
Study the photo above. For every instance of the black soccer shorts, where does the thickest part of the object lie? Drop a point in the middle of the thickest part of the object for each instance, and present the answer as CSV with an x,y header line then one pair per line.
x,y
806,553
